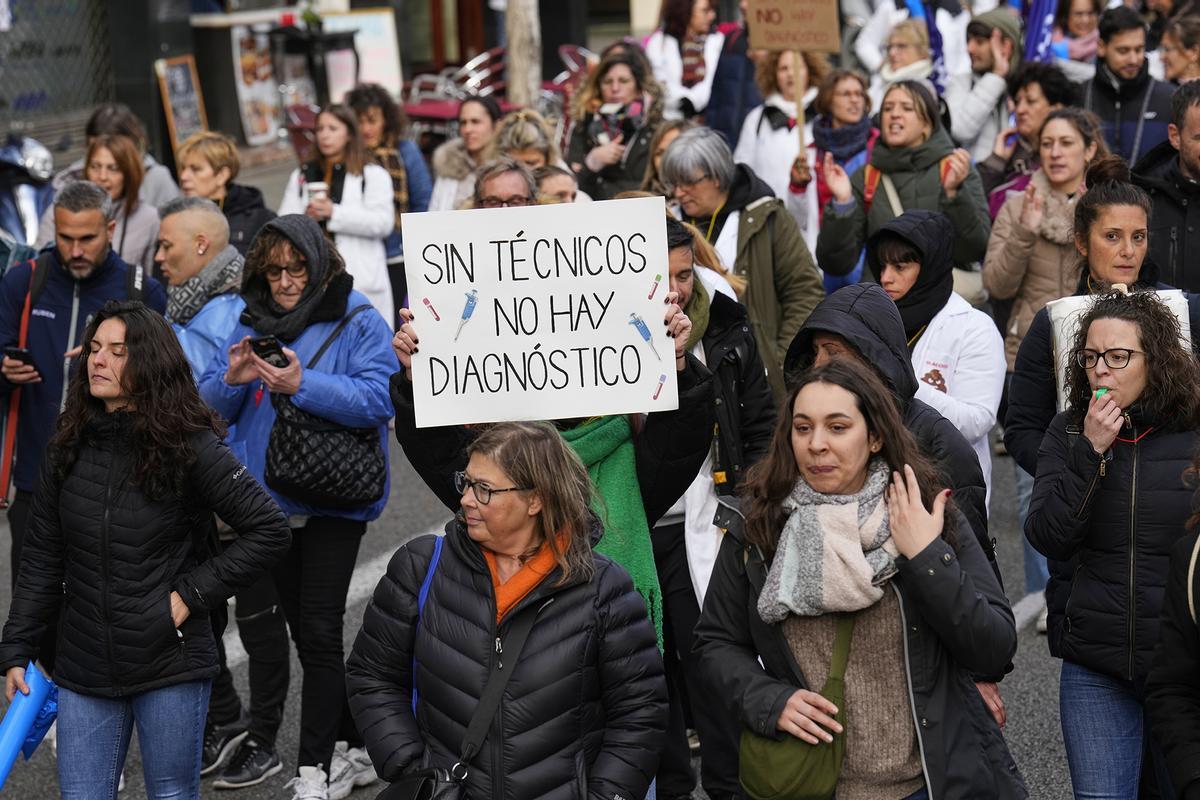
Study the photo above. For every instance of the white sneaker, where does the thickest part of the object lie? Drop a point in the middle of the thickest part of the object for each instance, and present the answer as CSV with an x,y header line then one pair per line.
x,y
121,783
349,767
310,784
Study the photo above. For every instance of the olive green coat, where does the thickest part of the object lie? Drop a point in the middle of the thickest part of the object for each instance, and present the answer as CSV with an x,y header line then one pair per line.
x,y
783,285
916,172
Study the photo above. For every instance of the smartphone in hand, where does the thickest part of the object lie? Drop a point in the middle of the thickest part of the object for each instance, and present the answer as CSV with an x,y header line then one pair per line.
x,y
21,354
269,350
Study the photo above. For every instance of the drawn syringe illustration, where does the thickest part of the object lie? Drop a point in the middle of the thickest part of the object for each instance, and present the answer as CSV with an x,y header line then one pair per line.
x,y
468,310
636,321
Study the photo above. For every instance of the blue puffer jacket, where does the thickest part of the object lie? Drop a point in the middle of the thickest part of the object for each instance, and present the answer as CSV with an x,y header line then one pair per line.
x,y
56,325
420,189
349,386
205,333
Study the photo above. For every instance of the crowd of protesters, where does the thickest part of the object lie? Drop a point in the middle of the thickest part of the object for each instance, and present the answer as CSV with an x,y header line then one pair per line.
x,y
962,240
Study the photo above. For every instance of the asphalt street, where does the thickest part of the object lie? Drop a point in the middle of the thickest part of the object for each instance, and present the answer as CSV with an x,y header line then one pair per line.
x,y
1030,691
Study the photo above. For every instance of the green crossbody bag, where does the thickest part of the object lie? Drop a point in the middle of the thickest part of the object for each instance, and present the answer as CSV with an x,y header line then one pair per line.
x,y
791,768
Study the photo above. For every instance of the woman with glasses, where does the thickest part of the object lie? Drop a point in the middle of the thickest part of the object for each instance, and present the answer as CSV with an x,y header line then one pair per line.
x,y
298,298
908,58
614,117
1076,37
586,706
754,235
352,199
1111,500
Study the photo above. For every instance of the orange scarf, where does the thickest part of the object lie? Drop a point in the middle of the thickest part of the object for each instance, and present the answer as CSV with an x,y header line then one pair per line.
x,y
531,573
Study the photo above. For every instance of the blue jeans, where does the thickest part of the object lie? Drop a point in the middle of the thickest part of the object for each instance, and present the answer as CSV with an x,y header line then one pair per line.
x,y
1105,733
919,794
1037,573
94,732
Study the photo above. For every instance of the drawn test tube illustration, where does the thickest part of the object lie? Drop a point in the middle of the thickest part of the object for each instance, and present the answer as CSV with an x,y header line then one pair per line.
x,y
654,288
662,379
432,310
639,323
468,310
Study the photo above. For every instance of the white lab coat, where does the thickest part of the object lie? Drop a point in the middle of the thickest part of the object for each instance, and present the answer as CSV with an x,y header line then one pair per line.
x,y
360,223
667,64
962,350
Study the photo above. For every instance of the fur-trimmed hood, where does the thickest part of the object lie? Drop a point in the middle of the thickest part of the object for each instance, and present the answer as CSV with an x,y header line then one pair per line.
x,y
451,160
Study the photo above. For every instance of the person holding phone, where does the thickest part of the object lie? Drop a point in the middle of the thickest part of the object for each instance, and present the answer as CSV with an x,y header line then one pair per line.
x,y
296,291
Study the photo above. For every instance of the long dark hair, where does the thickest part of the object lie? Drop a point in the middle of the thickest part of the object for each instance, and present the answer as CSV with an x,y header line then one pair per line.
x,y
771,480
162,392
1172,373
354,155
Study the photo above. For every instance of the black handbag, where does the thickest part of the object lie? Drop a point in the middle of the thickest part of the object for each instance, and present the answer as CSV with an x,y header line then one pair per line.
x,y
319,461
443,784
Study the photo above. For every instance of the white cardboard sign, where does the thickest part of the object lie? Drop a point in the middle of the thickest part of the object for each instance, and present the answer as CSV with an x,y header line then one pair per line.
x,y
542,312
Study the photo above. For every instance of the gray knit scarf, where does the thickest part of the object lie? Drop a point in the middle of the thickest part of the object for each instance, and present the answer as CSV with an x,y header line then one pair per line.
x,y
220,275
835,551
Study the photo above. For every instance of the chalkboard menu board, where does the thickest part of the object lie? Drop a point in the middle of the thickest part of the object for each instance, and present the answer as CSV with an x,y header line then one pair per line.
x,y
181,98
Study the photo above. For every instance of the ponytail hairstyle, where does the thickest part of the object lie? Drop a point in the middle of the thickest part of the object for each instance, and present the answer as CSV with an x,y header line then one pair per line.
x,y
1109,183
525,130
1086,124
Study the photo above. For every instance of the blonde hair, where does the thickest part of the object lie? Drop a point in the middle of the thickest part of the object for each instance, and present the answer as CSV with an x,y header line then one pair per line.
x,y
913,32
217,149
534,455
525,130
767,68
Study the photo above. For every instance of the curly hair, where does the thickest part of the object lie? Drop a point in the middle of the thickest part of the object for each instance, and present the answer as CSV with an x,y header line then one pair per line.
x,y
367,95
767,69
167,408
771,480
1172,372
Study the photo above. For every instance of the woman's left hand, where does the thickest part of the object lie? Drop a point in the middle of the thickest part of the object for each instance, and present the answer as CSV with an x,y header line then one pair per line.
x,y
678,326
320,208
957,168
280,380
179,609
912,527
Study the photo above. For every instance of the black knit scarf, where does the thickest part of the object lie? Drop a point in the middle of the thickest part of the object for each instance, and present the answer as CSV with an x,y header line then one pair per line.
x,y
843,142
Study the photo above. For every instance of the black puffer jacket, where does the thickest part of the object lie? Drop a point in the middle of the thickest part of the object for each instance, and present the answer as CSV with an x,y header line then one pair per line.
x,y
869,321
586,707
1116,517
670,448
956,622
112,556
1173,688
744,405
246,213
1175,219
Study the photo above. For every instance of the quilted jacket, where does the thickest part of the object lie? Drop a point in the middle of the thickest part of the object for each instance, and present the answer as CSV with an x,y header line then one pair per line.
x,y
112,556
584,711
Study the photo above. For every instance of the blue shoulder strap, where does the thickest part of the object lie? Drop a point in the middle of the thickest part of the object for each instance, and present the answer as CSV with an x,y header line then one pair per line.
x,y
421,596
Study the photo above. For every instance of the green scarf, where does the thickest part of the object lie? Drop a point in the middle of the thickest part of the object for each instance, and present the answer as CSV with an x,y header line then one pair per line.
x,y
697,310
605,445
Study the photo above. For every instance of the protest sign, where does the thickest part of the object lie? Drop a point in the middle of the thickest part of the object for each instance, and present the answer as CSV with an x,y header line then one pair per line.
x,y
805,25
541,312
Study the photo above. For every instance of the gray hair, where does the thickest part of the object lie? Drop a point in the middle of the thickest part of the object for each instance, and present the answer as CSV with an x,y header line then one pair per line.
x,y
79,196
497,167
210,217
697,154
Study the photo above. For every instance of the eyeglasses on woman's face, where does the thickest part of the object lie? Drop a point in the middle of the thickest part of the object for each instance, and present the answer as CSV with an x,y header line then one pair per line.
x,y
483,492
296,269
1115,357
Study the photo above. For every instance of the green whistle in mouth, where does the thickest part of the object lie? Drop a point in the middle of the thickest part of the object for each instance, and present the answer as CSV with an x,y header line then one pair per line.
x,y
1100,393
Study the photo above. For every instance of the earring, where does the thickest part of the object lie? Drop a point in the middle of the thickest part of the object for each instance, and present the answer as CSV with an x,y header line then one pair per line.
x,y
200,251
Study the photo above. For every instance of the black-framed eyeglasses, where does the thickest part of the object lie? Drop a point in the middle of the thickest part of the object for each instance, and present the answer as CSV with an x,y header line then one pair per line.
x,y
1115,357
686,185
483,492
506,202
296,269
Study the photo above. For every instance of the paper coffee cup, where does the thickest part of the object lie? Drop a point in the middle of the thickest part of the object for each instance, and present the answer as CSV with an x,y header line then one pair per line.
x,y
318,189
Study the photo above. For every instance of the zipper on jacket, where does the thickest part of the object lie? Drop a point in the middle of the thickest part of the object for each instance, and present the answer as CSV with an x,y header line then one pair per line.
x,y
912,699
1133,553
1087,496
105,583
497,733
1171,260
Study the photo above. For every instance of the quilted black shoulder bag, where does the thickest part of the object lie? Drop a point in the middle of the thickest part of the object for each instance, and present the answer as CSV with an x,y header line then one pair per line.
x,y
319,461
